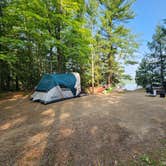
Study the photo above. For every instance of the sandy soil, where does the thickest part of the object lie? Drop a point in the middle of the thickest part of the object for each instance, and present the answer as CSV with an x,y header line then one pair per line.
x,y
91,130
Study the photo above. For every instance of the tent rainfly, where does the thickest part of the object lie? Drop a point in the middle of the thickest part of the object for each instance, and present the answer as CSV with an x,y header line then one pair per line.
x,y
55,87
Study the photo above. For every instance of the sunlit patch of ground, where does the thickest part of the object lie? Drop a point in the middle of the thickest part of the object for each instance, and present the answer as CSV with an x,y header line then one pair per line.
x,y
13,95
113,129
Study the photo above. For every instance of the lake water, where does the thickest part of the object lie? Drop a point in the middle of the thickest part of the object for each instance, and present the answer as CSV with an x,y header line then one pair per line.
x,y
130,85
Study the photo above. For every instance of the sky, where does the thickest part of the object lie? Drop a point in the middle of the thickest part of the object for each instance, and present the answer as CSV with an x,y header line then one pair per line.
x,y
149,13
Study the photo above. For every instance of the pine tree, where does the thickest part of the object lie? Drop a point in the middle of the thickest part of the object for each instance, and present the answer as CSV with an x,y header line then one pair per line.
x,y
152,69
117,40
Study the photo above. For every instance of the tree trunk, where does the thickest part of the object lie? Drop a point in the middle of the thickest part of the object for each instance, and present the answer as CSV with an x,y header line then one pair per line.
x,y
8,82
17,83
109,80
161,66
109,73
58,37
93,79
59,60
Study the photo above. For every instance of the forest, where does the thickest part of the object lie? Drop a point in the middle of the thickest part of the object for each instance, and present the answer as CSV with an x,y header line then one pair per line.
x,y
152,69
56,36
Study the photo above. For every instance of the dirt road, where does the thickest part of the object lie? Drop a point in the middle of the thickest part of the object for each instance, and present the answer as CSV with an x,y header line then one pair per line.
x,y
91,130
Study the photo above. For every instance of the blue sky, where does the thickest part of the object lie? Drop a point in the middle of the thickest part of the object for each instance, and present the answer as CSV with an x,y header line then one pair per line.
x,y
149,13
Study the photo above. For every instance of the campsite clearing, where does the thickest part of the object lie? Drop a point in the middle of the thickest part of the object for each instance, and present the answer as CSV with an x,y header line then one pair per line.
x,y
111,129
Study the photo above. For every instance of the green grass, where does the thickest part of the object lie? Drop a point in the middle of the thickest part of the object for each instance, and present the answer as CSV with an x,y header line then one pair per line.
x,y
155,158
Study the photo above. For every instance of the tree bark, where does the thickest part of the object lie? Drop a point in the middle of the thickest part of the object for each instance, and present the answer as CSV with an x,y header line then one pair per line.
x,y
58,37
161,66
17,83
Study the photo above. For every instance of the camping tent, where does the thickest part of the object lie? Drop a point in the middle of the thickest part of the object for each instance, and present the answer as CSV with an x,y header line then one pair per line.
x,y
54,87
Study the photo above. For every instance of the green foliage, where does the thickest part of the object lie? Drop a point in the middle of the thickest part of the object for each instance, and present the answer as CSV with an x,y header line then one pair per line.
x,y
152,69
116,41
146,160
144,73
108,90
41,36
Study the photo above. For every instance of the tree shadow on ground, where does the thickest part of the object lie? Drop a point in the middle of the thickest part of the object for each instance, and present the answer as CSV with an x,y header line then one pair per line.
x,y
90,130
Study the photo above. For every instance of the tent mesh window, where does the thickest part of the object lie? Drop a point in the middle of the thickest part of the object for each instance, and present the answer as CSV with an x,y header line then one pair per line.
x,y
64,88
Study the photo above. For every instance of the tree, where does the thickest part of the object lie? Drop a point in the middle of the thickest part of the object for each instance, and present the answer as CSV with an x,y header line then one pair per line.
x,y
158,48
43,36
117,40
144,73
152,69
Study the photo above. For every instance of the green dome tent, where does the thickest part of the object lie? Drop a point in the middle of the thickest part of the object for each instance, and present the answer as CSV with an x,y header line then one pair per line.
x,y
54,87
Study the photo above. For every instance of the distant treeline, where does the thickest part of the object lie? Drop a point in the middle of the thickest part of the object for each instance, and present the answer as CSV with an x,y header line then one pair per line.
x,y
152,69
